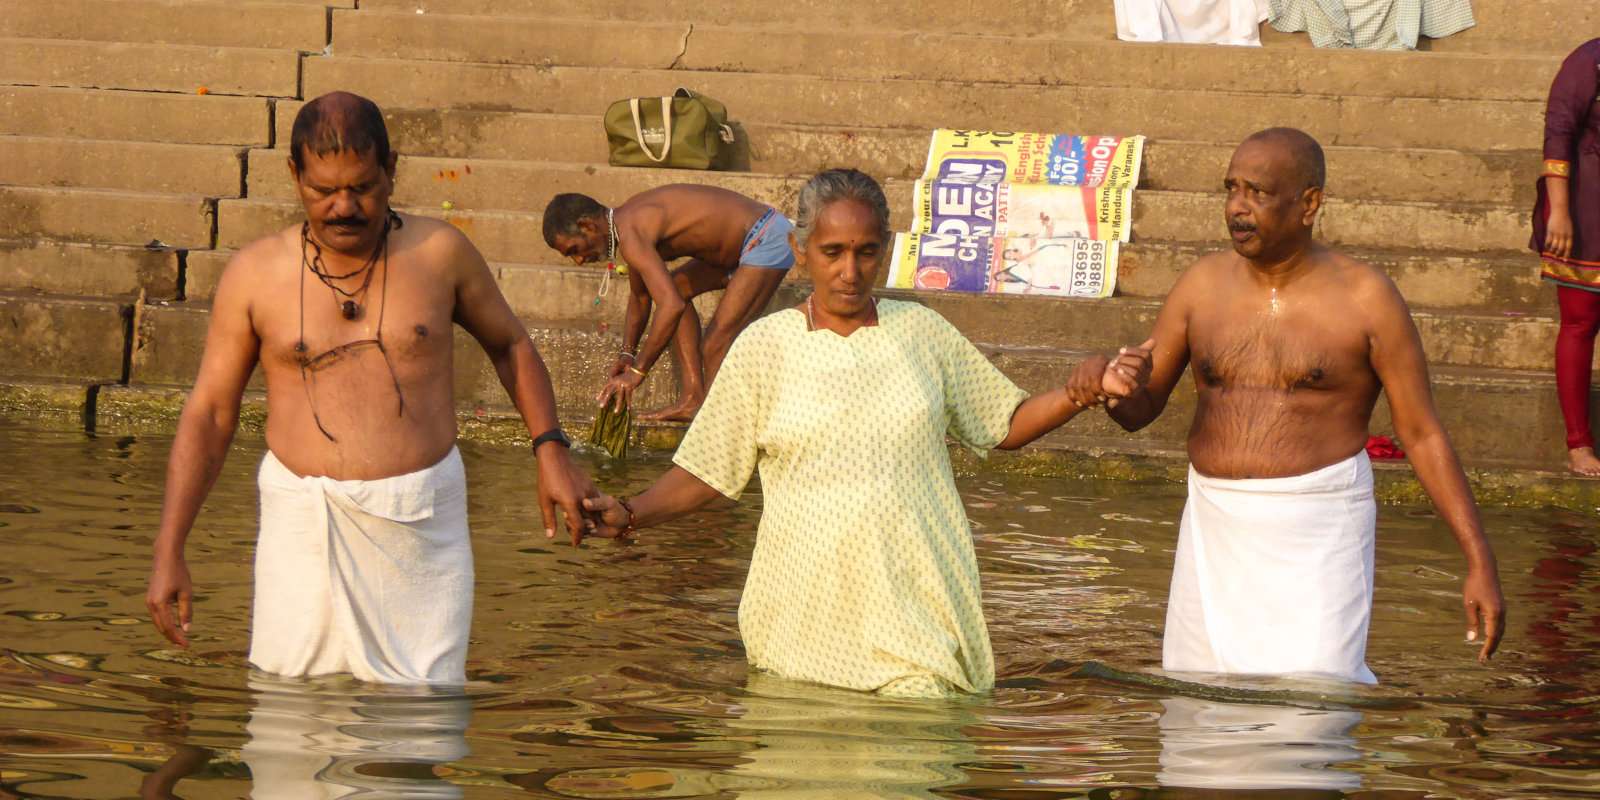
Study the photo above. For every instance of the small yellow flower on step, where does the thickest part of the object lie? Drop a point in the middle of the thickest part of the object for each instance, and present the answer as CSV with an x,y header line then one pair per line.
x,y
447,205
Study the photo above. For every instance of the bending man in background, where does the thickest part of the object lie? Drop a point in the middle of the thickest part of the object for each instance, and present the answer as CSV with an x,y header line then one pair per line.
x,y
1291,343
733,244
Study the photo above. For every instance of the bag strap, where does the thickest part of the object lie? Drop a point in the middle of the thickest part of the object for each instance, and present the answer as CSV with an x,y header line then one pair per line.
x,y
638,128
724,131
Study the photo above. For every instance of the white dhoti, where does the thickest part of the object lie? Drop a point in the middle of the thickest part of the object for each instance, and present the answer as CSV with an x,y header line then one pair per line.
x,y
1273,576
373,578
1193,21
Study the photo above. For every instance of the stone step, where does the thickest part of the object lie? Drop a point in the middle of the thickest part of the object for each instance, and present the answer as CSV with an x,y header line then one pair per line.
x,y
1504,26
898,55
150,67
101,216
1493,415
1223,117
527,186
1517,26
62,337
289,26
72,268
548,289
1364,172
139,116
1481,334
997,17
211,170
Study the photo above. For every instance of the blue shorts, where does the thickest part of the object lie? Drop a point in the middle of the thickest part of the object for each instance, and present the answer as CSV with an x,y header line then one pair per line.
x,y
767,243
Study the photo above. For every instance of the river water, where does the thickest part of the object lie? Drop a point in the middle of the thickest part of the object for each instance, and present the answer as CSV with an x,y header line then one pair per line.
x,y
615,670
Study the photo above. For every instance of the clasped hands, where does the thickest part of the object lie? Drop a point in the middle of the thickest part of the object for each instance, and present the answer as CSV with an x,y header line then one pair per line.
x,y
1102,380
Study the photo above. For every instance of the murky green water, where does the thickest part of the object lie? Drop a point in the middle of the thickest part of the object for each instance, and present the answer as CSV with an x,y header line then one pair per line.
x,y
616,671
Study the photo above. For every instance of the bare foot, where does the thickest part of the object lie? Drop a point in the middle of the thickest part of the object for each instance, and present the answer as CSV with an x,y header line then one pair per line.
x,y
1583,461
681,411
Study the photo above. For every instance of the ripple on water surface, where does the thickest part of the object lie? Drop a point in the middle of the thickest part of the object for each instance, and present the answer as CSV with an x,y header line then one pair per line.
x,y
616,671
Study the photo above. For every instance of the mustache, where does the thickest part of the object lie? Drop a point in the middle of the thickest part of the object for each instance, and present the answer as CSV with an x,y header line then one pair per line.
x,y
1235,225
346,222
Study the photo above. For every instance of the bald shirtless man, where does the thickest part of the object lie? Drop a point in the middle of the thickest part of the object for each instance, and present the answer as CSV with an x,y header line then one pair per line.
x,y
731,243
1291,344
363,564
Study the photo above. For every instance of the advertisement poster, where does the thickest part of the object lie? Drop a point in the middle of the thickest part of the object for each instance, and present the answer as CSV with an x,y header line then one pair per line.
x,y
1060,267
1043,211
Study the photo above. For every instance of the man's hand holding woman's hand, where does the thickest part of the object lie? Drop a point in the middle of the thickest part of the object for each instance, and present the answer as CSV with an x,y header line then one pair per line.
x,y
1099,379
611,518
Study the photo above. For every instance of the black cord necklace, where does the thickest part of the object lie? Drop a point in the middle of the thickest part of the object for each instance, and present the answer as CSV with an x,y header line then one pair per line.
x,y
311,259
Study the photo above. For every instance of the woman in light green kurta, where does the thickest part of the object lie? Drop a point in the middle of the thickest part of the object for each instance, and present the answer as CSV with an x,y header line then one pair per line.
x,y
864,574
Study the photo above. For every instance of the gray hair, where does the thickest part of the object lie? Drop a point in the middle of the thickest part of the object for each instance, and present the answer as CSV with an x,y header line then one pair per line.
x,y
831,186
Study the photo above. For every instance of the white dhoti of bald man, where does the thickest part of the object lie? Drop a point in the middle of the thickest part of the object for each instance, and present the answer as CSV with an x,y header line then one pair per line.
x,y
1193,21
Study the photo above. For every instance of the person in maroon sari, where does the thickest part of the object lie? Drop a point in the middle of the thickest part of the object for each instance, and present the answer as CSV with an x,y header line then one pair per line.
x,y
1566,234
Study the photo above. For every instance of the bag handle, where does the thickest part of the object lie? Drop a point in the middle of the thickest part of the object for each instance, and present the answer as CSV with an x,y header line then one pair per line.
x,y
724,131
638,128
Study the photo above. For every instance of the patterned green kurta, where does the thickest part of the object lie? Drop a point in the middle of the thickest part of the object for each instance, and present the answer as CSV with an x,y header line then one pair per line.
x,y
864,574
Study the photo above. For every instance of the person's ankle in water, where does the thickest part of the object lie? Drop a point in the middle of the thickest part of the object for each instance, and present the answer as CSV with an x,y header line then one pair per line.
x,y
1583,461
681,411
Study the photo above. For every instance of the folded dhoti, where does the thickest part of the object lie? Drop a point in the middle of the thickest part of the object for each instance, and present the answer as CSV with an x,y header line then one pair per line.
x,y
1274,576
373,577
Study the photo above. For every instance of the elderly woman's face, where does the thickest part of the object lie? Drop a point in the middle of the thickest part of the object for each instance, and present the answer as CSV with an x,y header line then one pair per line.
x,y
843,257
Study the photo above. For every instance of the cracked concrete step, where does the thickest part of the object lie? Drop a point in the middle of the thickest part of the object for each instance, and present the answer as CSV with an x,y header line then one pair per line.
x,y
140,116
150,67
900,55
101,216
1160,113
74,268
1491,282
211,170
1157,215
289,26
1493,415
52,336
1364,172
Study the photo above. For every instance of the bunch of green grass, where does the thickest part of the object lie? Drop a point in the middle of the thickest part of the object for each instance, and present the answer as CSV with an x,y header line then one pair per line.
x,y
612,428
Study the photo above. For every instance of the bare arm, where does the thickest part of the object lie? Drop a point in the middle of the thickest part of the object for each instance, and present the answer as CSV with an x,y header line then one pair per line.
x,y
642,259
638,312
674,494
1401,366
1095,380
1169,357
205,429
482,311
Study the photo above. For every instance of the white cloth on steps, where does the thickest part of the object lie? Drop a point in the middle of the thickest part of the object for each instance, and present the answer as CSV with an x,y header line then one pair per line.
x,y
1274,576
372,577
1193,21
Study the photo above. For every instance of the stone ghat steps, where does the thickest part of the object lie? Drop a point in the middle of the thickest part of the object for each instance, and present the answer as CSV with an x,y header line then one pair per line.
x,y
1185,114
290,26
786,149
1503,25
1493,415
77,268
1444,284
210,170
1468,337
705,45
249,71
136,116
1177,216
102,216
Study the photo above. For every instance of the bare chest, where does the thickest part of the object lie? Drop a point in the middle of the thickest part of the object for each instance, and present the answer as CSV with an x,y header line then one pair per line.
x,y
407,323
1285,352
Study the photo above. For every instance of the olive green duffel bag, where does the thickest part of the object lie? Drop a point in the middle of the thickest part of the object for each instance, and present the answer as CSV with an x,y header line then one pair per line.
x,y
684,131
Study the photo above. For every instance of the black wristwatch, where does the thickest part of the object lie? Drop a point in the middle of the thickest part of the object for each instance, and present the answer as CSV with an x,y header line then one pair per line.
x,y
552,435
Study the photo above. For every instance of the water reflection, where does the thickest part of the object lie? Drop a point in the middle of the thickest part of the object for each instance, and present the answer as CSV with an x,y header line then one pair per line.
x,y
1209,745
338,738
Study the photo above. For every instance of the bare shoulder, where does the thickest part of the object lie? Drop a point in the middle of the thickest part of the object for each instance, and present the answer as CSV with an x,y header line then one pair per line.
x,y
1205,274
441,245
254,264
1368,287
